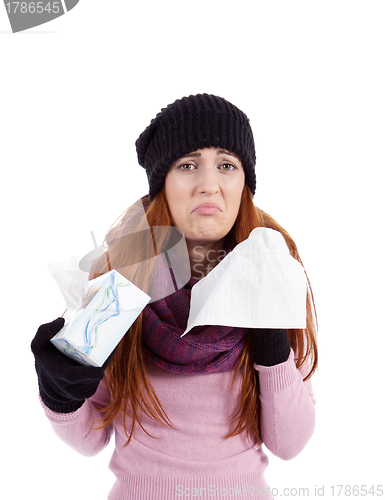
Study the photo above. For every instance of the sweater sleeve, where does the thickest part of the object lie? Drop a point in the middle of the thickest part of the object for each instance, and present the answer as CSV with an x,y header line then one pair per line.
x,y
77,429
287,408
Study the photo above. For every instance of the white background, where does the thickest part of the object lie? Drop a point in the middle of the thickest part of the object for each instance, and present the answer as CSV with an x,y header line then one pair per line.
x,y
75,94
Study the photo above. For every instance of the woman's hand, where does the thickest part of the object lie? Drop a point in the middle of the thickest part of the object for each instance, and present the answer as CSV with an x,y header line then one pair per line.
x,y
64,384
270,346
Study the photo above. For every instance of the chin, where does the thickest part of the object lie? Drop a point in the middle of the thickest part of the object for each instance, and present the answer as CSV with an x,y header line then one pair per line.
x,y
206,233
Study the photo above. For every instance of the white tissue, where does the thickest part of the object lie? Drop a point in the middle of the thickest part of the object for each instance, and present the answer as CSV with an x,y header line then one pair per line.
x,y
257,285
72,282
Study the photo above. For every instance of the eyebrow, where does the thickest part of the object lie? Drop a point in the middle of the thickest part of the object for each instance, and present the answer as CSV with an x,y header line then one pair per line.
x,y
225,152
219,152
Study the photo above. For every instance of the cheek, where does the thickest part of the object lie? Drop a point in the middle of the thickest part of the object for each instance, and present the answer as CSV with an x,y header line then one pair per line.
x,y
236,203
170,189
174,196
236,191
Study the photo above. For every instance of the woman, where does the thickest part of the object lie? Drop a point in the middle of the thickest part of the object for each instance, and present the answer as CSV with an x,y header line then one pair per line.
x,y
189,414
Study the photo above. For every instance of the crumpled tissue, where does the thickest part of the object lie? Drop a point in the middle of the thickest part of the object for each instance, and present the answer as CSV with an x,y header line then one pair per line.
x,y
257,285
72,283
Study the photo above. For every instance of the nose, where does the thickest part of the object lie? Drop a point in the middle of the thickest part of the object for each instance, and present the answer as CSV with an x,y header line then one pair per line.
x,y
208,182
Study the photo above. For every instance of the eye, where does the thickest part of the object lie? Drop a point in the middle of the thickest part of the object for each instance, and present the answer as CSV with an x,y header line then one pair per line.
x,y
228,166
186,167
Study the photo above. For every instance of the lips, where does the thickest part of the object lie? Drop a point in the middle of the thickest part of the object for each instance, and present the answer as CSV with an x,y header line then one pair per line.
x,y
207,209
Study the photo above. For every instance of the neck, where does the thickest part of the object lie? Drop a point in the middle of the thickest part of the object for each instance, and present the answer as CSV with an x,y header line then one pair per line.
x,y
204,256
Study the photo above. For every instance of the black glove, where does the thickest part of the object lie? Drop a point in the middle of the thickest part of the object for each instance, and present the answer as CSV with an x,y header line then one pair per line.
x,y
64,384
271,347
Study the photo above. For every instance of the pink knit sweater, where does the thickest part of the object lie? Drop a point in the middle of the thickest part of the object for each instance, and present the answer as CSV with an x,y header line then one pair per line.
x,y
193,460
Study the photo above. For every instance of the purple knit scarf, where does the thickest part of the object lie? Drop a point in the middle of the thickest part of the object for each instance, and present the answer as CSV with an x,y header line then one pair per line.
x,y
204,349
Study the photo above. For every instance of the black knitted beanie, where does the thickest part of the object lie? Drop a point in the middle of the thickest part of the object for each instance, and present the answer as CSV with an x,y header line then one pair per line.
x,y
191,123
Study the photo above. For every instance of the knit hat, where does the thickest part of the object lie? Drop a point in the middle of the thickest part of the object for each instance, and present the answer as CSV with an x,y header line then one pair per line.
x,y
191,123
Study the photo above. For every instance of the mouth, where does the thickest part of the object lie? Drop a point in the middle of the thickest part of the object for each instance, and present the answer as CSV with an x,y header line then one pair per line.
x,y
207,209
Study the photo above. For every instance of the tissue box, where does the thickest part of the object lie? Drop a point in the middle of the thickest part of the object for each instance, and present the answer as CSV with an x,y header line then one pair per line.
x,y
110,307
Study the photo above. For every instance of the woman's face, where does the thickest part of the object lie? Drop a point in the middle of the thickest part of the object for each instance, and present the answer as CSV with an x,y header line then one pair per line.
x,y
203,191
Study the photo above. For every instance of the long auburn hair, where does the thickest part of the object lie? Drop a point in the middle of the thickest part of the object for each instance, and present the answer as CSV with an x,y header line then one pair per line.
x,y
126,378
